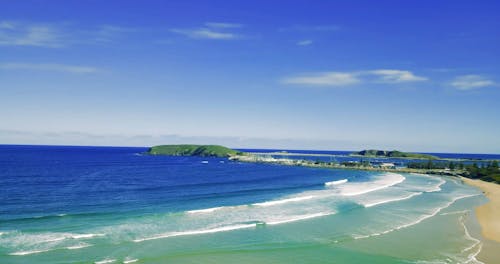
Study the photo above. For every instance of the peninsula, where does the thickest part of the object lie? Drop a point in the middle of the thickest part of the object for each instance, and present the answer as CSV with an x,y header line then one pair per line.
x,y
193,150
392,154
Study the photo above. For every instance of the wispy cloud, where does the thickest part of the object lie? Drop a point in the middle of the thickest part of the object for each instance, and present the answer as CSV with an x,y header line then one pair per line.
x,y
23,34
471,82
48,67
204,33
311,28
306,42
223,25
108,33
396,76
17,33
338,79
211,30
324,79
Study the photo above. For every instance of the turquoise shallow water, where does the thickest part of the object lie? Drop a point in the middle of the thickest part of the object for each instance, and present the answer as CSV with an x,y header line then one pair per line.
x,y
113,205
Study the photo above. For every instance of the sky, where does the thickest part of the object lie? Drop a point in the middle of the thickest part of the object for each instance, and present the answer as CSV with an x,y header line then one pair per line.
x,y
330,75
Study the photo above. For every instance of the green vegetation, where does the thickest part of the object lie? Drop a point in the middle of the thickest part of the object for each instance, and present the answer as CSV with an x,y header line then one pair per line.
x,y
392,154
485,171
193,150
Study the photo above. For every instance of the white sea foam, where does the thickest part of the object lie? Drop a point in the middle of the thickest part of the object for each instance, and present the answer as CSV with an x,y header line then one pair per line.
x,y
78,236
382,182
208,210
437,187
335,182
299,218
104,261
29,252
456,212
198,232
129,260
476,242
84,245
283,201
392,199
422,218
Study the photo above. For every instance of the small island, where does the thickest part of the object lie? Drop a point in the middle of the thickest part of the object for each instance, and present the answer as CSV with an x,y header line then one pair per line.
x,y
392,154
193,150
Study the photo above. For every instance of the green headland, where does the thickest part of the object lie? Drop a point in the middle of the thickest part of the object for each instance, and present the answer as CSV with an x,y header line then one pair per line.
x,y
392,154
193,150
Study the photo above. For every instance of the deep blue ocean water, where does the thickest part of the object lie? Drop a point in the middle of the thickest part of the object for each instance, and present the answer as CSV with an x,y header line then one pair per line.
x,y
66,204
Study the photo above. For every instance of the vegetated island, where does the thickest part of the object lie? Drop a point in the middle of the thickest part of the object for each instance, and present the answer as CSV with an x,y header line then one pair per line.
x,y
193,150
392,154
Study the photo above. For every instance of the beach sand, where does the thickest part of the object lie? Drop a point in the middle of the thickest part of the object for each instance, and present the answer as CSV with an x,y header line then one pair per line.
x,y
488,216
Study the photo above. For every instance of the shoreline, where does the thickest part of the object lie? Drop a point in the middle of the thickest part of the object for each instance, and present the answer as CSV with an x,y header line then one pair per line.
x,y
488,216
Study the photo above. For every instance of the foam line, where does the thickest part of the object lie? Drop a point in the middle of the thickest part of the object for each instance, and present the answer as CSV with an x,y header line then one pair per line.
x,y
437,188
335,182
201,211
29,252
104,261
392,200
299,218
129,260
276,202
78,236
78,246
388,180
197,232
424,217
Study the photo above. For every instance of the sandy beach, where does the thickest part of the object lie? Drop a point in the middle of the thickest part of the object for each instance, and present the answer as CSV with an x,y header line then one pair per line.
x,y
489,213
489,218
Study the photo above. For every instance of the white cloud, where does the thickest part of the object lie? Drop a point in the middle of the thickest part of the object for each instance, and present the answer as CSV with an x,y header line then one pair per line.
x,y
324,79
222,25
204,33
306,42
21,34
471,82
350,78
211,30
312,28
396,76
108,33
48,67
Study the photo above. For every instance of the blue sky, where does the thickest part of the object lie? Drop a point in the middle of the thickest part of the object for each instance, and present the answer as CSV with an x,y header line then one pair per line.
x,y
345,75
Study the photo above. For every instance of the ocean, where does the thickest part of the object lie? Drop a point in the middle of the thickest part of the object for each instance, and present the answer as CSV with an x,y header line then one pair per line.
x,y
65,204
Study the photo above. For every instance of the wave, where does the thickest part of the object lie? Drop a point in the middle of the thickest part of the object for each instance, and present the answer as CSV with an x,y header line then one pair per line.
x,y
476,242
283,201
456,212
73,236
422,218
198,232
129,260
104,261
392,200
385,181
262,204
335,182
437,187
29,252
84,245
208,210
299,218
78,236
